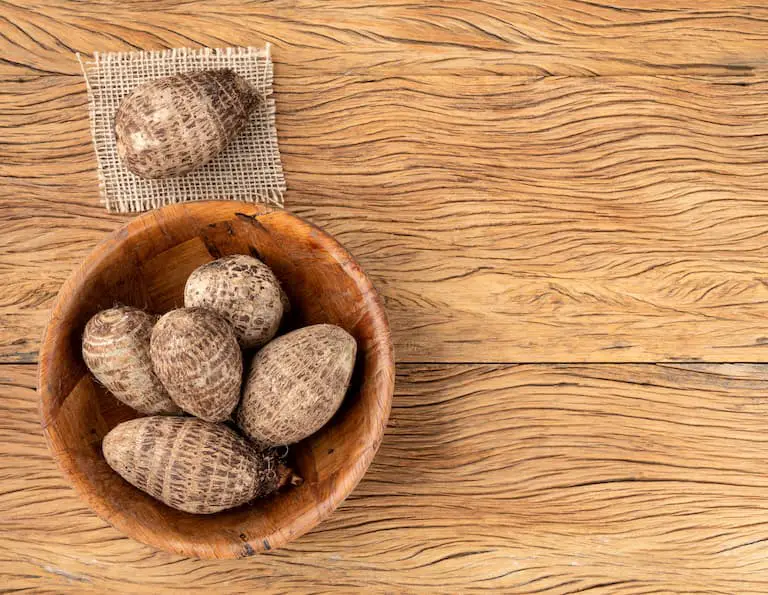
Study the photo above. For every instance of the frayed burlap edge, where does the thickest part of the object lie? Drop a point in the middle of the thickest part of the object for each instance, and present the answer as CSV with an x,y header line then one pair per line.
x,y
250,169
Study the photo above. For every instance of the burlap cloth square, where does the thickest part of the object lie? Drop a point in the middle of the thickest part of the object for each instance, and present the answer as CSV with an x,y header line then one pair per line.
x,y
249,169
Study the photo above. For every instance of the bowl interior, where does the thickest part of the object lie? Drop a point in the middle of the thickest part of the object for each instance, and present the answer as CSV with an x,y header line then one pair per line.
x,y
145,264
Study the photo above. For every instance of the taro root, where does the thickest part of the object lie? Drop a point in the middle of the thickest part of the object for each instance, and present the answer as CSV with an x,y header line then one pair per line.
x,y
196,356
244,291
116,351
192,465
296,383
173,125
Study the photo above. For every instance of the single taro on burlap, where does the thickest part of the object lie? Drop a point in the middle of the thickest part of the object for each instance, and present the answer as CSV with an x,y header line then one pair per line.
x,y
116,351
244,291
192,465
249,169
196,356
296,383
170,126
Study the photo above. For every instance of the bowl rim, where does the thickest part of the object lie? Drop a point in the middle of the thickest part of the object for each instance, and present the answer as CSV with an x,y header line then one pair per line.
x,y
338,491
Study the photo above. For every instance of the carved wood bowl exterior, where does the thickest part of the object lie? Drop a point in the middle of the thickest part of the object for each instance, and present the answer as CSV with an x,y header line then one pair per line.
x,y
145,264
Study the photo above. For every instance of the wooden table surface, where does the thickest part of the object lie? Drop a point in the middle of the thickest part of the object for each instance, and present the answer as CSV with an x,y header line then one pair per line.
x,y
565,207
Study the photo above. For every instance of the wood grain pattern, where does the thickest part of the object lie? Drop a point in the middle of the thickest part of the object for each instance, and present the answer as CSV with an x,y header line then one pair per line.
x,y
528,181
550,219
397,37
517,479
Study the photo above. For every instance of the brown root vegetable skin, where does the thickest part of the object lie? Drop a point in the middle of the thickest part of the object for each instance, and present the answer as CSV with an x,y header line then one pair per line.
x,y
116,351
193,465
244,291
170,126
296,383
196,356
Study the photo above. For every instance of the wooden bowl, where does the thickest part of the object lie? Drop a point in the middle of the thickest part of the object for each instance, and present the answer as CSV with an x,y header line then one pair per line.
x,y
146,264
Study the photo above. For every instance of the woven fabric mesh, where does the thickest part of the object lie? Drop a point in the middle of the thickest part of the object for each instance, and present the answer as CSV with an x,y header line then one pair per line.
x,y
249,169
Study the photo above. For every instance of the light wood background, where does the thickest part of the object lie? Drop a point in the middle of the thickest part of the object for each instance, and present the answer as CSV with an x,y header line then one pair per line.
x,y
564,204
